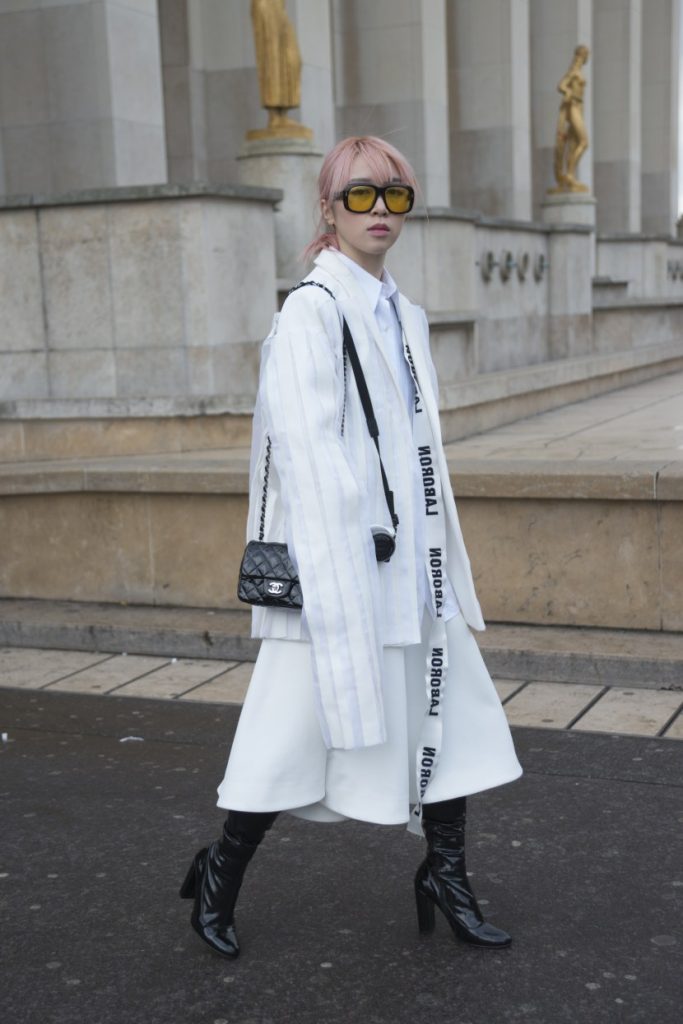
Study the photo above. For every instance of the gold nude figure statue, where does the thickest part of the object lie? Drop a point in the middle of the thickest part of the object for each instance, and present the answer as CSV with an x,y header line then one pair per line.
x,y
571,139
279,70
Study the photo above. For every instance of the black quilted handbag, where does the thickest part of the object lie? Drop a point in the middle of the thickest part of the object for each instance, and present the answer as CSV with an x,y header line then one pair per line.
x,y
267,576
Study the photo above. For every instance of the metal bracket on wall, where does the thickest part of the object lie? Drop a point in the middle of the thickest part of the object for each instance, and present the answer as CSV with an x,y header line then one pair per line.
x,y
486,265
540,266
507,264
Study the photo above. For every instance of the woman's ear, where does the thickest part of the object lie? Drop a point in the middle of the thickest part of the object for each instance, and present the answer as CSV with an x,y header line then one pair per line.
x,y
327,213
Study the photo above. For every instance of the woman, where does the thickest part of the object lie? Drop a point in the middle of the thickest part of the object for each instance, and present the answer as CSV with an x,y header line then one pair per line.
x,y
375,696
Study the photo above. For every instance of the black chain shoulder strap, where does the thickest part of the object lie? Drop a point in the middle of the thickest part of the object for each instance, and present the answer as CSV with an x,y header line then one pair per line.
x,y
266,473
316,284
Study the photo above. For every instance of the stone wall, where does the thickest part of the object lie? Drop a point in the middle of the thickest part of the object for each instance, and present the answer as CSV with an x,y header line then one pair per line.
x,y
649,267
499,294
163,294
136,293
547,540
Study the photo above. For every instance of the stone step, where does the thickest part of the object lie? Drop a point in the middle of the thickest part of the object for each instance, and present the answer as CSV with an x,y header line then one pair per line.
x,y
553,541
58,428
571,518
512,652
35,429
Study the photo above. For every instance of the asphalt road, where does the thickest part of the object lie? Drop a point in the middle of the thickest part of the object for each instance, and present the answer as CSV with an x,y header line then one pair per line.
x,y
581,860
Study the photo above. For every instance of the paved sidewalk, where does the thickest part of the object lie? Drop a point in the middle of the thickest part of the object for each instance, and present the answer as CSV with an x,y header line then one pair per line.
x,y
640,423
580,707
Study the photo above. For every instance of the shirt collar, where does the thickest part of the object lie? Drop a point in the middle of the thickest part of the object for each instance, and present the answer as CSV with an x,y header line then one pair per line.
x,y
374,288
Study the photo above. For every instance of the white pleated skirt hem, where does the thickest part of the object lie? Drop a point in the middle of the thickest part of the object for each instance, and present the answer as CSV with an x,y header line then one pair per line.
x,y
278,761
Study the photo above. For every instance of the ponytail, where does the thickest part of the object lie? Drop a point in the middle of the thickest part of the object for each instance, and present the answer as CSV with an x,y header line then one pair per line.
x,y
325,240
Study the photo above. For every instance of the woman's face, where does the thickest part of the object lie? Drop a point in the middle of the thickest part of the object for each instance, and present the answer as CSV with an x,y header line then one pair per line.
x,y
365,237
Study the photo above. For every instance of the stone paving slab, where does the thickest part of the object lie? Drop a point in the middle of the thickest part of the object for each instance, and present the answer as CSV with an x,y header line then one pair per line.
x,y
109,674
174,679
638,712
229,688
99,834
36,668
547,705
506,687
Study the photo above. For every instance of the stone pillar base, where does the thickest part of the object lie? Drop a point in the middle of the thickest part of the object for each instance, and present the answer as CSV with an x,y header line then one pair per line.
x,y
292,165
571,208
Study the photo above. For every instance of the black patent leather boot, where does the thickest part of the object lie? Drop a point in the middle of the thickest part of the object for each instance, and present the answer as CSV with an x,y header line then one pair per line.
x,y
441,881
215,875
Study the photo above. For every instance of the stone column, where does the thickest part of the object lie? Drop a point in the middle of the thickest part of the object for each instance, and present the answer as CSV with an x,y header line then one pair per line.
x,y
489,108
616,114
557,26
211,82
81,95
391,80
184,85
312,23
661,42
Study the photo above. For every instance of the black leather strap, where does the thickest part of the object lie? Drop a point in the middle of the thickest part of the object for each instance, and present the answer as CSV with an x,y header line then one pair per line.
x,y
364,395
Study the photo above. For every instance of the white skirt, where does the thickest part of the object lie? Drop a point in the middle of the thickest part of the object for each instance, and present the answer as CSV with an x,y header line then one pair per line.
x,y
278,761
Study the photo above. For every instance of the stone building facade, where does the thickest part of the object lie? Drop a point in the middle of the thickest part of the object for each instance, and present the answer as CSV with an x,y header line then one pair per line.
x,y
142,252
106,93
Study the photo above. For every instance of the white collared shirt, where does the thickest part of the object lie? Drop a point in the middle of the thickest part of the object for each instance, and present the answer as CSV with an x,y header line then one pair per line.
x,y
382,294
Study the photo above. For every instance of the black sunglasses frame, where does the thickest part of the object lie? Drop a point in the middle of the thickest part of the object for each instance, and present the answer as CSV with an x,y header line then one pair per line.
x,y
379,190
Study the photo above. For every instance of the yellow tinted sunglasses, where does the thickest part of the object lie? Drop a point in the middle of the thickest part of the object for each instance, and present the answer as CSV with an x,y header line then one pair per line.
x,y
362,198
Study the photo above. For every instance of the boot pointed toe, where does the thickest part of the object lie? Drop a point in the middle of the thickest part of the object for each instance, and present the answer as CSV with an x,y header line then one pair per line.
x,y
221,940
485,935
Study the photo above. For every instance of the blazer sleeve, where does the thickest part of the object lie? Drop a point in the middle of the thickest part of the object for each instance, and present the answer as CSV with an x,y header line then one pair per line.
x,y
327,526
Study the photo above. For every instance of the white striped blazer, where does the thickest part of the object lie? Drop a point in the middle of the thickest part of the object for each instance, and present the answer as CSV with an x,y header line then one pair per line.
x,y
325,492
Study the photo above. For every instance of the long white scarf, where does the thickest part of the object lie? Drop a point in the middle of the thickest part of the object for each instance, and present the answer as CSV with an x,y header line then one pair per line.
x,y
429,744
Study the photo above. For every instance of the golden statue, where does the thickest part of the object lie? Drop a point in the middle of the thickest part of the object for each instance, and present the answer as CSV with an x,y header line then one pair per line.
x,y
571,139
279,70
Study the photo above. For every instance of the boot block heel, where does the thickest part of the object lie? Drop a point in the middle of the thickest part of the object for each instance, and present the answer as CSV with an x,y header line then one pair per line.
x,y
189,887
425,912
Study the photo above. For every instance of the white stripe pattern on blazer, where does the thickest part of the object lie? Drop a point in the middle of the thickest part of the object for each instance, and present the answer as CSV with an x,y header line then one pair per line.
x,y
325,492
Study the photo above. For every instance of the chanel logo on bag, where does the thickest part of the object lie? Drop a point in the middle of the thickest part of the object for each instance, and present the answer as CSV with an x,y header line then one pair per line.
x,y
275,587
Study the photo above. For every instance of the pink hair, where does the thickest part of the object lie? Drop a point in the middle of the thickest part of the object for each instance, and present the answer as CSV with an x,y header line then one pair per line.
x,y
384,161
